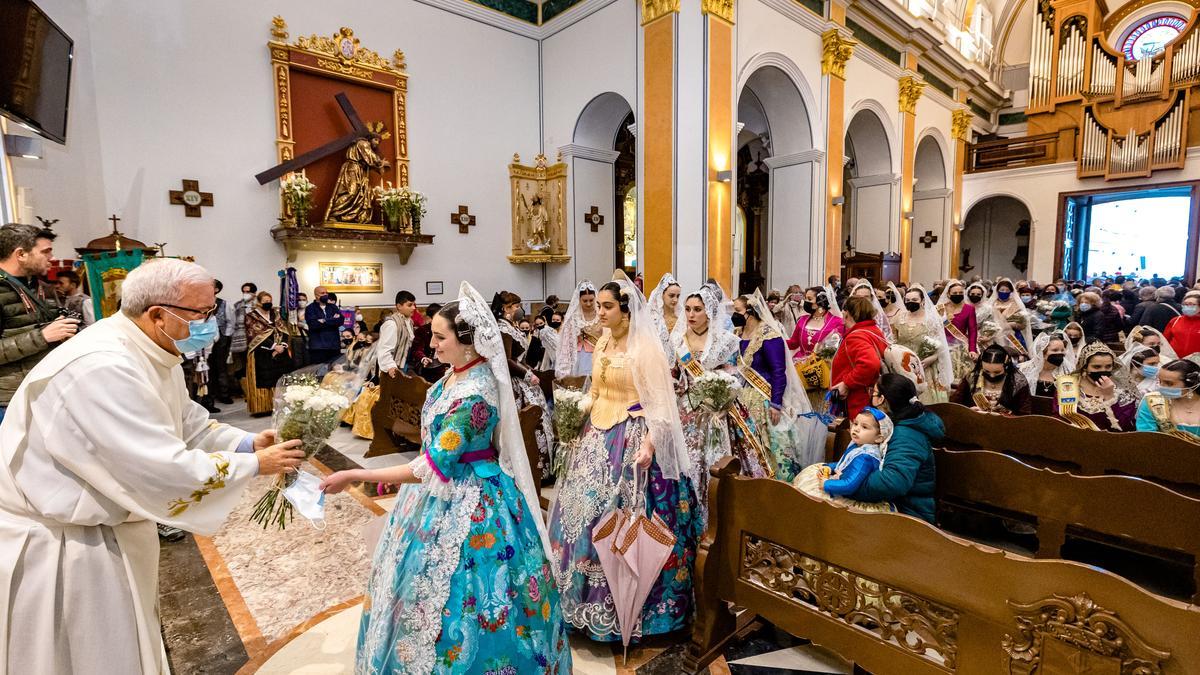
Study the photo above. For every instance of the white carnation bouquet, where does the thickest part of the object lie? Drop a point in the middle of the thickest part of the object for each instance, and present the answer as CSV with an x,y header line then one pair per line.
x,y
927,347
828,347
714,391
309,410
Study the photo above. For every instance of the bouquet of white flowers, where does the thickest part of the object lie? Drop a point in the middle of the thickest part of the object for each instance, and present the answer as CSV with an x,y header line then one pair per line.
x,y
297,191
828,347
927,347
305,409
714,391
392,201
571,408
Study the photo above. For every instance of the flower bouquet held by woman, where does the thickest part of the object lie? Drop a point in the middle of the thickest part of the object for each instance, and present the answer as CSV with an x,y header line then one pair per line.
x,y
571,408
309,411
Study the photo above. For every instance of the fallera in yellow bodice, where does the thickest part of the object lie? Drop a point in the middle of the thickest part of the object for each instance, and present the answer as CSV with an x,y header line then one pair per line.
x,y
612,386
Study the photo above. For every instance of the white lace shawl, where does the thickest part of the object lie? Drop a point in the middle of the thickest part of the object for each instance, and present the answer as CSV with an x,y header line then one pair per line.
x,y
933,328
568,335
719,344
658,308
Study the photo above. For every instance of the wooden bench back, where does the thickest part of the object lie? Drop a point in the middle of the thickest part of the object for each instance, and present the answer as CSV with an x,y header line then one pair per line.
x,y
397,414
1143,514
1151,455
895,595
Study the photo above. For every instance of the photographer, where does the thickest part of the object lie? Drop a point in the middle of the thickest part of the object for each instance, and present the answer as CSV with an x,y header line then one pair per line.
x,y
30,323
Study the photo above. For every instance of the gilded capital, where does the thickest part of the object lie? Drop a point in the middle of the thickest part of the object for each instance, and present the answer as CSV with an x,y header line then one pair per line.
x,y
910,91
656,9
960,124
836,50
718,8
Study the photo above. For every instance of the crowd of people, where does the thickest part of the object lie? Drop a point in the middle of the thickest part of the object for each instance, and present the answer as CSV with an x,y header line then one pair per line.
x,y
469,572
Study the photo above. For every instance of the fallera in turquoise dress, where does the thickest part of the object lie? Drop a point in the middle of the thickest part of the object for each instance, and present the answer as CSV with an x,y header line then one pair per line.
x,y
460,581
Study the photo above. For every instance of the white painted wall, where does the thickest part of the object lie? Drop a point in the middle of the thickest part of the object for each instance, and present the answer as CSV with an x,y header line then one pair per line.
x,y
990,233
1039,188
184,90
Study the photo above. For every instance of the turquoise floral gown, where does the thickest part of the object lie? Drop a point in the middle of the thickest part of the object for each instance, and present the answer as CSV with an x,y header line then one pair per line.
x,y
460,581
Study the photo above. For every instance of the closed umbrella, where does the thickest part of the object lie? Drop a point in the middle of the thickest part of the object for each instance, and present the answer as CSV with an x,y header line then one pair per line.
x,y
632,547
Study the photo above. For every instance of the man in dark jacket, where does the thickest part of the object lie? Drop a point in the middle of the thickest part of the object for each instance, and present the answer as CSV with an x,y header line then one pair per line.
x,y
324,320
30,324
1146,299
1158,315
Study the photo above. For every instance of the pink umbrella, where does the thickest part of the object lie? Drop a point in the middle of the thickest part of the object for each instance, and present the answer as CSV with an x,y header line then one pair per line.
x,y
632,549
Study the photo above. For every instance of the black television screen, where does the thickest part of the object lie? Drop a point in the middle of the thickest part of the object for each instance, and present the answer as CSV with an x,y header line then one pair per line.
x,y
35,69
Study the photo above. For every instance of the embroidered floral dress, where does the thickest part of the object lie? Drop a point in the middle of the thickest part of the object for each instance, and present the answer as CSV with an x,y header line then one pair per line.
x,y
599,479
460,581
761,364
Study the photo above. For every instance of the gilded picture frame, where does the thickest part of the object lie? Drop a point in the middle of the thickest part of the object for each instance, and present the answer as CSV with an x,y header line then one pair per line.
x,y
351,277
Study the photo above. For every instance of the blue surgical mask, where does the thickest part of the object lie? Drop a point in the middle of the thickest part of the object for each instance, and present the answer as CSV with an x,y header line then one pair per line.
x,y
1190,310
1003,295
1149,371
1085,306
1171,392
201,334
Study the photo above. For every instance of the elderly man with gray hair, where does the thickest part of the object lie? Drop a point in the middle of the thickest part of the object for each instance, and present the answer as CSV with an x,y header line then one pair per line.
x,y
100,442
1158,315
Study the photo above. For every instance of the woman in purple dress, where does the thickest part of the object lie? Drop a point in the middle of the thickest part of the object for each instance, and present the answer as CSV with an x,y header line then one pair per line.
x,y
1091,398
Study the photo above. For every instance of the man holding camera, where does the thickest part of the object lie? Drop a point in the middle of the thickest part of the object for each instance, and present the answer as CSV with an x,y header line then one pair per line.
x,y
31,323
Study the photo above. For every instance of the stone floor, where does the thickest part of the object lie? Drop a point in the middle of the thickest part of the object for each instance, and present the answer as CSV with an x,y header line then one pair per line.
x,y
250,600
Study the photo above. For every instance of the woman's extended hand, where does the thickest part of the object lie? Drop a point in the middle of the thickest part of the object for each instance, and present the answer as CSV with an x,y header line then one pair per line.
x,y
644,455
776,415
336,482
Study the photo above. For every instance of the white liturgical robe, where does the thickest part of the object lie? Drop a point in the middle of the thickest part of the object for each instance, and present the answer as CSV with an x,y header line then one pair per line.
x,y
99,443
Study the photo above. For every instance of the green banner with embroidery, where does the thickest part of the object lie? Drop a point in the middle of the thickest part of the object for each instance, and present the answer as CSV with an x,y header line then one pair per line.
x,y
105,274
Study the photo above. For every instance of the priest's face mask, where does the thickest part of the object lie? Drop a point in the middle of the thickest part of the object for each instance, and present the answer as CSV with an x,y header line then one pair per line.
x,y
173,321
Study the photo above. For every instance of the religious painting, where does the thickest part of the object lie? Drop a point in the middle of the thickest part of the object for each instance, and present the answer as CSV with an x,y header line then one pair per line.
x,y
351,277
539,229
341,110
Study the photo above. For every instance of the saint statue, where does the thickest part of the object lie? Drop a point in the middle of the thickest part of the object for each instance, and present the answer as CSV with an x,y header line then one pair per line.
x,y
351,201
537,220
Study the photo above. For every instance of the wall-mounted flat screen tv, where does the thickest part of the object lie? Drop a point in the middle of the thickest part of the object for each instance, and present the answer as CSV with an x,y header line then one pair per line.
x,y
35,69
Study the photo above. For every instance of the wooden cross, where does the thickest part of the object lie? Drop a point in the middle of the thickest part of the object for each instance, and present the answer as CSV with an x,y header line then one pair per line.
x,y
594,218
191,197
357,130
462,219
114,220
929,239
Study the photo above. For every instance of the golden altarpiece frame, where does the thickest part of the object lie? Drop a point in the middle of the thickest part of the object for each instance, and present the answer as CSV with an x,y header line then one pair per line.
x,y
539,222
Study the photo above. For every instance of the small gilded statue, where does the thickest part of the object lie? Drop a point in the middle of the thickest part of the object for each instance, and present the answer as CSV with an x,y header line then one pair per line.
x,y
537,222
352,196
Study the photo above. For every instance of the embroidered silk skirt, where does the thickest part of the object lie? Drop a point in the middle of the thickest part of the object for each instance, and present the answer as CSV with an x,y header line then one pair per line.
x,y
591,488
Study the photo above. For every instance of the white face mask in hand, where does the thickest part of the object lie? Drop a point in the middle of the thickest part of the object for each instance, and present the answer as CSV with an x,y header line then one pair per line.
x,y
306,497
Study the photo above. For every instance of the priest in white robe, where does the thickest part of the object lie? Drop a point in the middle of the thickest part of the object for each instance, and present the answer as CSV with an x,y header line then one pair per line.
x,y
99,443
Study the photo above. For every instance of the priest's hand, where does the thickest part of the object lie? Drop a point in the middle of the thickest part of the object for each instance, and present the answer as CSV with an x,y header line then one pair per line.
x,y
265,439
60,329
279,458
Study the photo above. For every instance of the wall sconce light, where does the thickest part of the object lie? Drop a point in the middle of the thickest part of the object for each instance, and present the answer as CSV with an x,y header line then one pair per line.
x,y
27,147
908,215
725,176
838,200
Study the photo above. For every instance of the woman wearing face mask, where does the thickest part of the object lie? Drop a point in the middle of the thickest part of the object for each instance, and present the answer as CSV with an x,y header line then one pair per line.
x,y
918,327
526,386
773,393
579,333
1051,357
962,327
1183,332
889,303
995,386
1140,367
818,326
1146,336
1090,398
1010,309
1174,407
268,354
631,452
1099,318
858,362
1074,333
790,310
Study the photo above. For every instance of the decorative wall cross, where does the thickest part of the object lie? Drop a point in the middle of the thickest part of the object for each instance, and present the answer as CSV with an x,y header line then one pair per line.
x,y
594,218
191,198
929,239
462,219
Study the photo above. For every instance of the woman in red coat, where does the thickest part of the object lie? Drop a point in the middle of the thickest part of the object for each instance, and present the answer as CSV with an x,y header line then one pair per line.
x,y
1183,332
857,364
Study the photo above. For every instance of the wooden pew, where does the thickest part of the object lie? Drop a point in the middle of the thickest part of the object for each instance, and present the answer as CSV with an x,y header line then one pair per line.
x,y
1138,514
1051,442
397,414
531,418
895,595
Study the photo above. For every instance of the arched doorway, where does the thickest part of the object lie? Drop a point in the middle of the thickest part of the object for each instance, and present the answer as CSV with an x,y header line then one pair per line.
x,y
870,191
995,239
931,213
602,179
777,171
